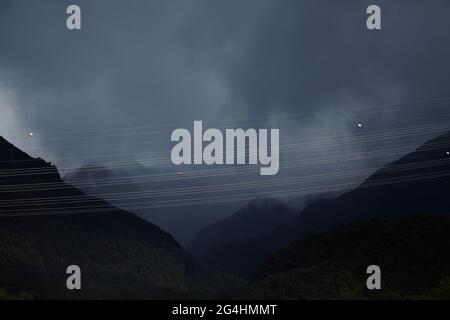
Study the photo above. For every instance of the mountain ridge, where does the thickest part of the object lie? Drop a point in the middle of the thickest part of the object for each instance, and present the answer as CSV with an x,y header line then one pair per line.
x,y
120,254
426,172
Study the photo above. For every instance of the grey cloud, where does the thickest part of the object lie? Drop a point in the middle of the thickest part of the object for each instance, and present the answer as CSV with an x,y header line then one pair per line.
x,y
125,68
307,54
143,63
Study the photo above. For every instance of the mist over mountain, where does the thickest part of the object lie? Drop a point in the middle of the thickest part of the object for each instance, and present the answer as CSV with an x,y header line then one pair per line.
x,y
418,182
47,225
126,185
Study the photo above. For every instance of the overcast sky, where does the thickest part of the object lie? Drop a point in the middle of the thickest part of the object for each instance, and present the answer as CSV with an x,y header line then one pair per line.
x,y
150,65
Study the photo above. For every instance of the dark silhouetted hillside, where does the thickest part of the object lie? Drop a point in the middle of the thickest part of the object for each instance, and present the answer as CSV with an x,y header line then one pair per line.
x,y
418,182
411,251
47,225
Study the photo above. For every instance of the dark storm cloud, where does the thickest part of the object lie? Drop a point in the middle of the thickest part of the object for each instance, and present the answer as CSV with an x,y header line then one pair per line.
x,y
306,54
125,68
318,57
142,63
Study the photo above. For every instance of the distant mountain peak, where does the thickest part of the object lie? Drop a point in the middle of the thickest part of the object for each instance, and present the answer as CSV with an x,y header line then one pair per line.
x,y
256,217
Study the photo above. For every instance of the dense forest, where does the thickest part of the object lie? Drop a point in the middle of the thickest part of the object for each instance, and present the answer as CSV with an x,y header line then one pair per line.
x,y
412,252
